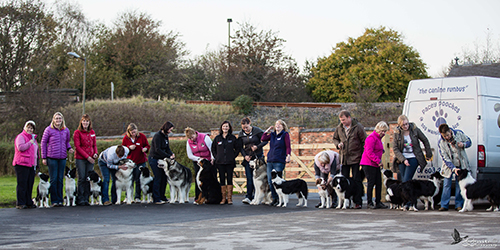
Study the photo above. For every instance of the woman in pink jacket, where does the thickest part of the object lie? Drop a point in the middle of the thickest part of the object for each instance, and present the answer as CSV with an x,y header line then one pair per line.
x,y
25,162
55,147
371,161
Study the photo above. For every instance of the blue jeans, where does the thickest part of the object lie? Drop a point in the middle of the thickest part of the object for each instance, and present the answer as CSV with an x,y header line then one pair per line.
x,y
56,174
249,175
106,173
407,172
278,166
137,179
159,181
445,197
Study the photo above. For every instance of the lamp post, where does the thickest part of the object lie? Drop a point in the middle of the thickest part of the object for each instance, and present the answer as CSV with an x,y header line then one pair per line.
x,y
229,21
75,55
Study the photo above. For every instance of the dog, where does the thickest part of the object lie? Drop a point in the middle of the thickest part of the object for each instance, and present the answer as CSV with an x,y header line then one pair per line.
x,y
346,189
262,189
208,184
393,190
95,188
472,189
179,177
42,191
425,190
70,183
284,188
326,193
146,185
124,180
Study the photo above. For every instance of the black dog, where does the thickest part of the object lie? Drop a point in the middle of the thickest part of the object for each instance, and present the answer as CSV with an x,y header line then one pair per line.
x,y
285,188
472,189
426,190
393,189
208,184
347,188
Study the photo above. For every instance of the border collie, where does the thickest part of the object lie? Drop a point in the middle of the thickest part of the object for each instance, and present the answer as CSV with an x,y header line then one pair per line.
x,y
208,184
346,189
393,190
325,191
179,178
95,188
146,185
472,189
42,191
284,188
124,181
425,190
70,186
262,189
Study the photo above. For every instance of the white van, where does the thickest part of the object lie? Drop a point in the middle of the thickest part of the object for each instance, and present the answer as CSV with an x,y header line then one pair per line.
x,y
470,104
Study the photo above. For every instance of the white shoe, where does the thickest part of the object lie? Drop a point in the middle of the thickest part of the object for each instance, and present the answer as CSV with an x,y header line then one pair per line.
x,y
246,201
137,200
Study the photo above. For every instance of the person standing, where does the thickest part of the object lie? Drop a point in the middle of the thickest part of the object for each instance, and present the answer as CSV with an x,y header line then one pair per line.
x,y
55,148
85,155
225,148
451,146
349,137
408,154
25,162
138,145
326,165
108,163
198,147
160,149
251,149
371,161
279,152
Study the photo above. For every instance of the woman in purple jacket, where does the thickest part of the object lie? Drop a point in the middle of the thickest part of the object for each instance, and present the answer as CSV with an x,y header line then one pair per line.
x,y
55,147
371,161
25,162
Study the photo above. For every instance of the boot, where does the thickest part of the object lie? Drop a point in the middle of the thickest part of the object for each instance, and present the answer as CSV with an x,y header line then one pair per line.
x,y
230,194
223,190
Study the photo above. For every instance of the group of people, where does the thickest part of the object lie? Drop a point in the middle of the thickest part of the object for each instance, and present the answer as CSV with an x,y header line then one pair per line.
x,y
356,151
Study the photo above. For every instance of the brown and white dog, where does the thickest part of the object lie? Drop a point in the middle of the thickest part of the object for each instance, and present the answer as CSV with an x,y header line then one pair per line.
x,y
124,181
326,192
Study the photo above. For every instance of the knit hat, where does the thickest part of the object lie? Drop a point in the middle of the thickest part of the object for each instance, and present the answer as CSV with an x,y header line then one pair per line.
x,y
29,122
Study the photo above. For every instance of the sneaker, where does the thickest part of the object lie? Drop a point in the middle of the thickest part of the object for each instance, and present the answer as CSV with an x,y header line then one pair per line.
x,y
274,203
137,200
246,201
443,209
22,207
160,202
370,206
107,203
458,208
380,205
358,206
319,205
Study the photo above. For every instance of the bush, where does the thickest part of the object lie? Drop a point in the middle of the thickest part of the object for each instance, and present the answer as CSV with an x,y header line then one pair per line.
x,y
244,104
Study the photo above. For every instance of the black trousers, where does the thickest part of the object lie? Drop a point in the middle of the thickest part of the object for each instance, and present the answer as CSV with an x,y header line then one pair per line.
x,y
226,173
374,178
354,168
25,180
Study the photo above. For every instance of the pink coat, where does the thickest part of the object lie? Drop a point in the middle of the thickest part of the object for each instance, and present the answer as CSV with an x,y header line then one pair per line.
x,y
25,151
374,149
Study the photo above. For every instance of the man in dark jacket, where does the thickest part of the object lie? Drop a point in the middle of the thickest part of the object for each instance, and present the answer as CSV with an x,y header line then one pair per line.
x,y
349,137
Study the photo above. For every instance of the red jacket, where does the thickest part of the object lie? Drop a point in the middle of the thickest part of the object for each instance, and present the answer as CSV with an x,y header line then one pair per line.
x,y
140,142
85,144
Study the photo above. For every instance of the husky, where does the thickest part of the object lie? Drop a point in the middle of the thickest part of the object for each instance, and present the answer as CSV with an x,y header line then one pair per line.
x,y
179,178
262,190
124,181
70,176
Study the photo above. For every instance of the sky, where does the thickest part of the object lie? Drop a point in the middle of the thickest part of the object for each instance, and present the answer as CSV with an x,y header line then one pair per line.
x,y
439,30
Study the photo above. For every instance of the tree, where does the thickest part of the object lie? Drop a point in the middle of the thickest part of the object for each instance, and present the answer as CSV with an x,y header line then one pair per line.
x,y
257,66
377,60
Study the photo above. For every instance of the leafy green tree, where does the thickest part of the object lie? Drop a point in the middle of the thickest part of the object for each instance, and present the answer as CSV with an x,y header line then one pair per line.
x,y
377,60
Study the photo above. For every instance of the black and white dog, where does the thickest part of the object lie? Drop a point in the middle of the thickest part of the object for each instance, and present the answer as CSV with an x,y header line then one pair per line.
x,y
425,190
262,189
346,189
124,181
326,193
95,188
393,189
42,191
146,185
286,187
208,184
472,189
69,176
179,178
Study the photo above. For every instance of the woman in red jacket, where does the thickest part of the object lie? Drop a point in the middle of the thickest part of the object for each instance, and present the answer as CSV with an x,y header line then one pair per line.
x,y
85,155
139,147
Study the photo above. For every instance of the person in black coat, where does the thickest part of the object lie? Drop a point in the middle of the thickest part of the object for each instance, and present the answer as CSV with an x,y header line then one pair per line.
x,y
225,148
160,149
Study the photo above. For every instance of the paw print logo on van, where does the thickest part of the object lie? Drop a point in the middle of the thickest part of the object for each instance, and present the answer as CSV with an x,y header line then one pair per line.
x,y
497,108
439,117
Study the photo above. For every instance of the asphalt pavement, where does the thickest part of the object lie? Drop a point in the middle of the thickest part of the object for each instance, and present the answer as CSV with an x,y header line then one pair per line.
x,y
241,226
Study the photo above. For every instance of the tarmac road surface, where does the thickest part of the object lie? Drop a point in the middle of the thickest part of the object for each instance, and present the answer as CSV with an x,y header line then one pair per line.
x,y
240,226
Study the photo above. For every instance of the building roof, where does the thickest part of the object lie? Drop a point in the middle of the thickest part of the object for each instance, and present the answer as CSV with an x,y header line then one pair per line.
x,y
490,69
